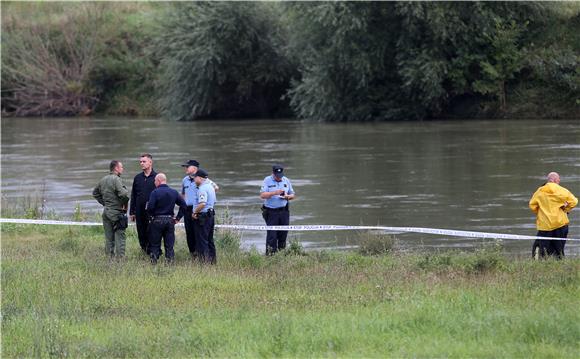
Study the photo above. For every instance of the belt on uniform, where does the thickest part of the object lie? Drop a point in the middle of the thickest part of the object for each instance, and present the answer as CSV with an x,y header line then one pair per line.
x,y
280,209
162,217
209,212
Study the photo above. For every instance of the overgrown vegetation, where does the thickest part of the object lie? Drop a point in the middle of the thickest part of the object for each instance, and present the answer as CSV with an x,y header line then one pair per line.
x,y
62,297
70,59
375,243
322,61
222,59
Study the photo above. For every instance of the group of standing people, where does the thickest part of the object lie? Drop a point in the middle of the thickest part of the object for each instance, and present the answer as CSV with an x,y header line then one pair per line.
x,y
152,208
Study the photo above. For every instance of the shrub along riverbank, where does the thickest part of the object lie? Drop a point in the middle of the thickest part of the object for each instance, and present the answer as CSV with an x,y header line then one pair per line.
x,y
61,297
323,61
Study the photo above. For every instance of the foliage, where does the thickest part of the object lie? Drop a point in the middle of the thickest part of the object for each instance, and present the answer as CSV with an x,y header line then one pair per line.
x,y
79,215
321,61
345,57
228,240
32,205
369,61
294,248
220,59
503,63
375,243
124,75
49,65
483,260
558,68
76,59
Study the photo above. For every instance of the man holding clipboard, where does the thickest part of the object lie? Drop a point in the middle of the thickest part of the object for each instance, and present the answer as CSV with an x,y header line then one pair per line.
x,y
276,192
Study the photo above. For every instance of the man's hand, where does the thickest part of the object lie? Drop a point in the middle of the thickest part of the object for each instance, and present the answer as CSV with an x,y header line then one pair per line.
x,y
175,220
133,218
195,215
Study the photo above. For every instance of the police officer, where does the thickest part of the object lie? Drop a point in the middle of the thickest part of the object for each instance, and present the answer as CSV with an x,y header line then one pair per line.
x,y
276,192
189,192
143,185
161,207
114,196
204,217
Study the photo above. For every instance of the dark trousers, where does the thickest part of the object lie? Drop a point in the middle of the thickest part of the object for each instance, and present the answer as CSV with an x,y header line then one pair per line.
x,y
162,227
551,247
205,246
189,230
276,240
142,224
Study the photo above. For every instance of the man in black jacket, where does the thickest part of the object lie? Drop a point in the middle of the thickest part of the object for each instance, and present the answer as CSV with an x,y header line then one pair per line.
x,y
143,185
161,208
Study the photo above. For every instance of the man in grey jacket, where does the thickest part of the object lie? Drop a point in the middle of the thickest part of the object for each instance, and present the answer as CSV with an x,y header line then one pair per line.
x,y
114,196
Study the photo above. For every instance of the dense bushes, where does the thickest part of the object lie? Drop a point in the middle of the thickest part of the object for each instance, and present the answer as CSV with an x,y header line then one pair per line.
x,y
73,59
325,61
222,60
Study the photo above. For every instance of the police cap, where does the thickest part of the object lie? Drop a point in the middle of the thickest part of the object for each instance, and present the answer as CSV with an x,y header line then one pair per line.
x,y
190,163
278,170
201,173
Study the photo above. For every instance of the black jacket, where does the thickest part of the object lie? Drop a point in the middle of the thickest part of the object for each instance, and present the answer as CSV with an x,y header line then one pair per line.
x,y
163,200
140,192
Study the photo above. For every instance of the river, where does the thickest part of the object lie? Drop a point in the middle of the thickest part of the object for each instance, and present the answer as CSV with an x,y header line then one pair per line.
x,y
469,175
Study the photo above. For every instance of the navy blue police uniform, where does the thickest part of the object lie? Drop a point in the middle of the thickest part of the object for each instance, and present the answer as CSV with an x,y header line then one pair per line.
x,y
276,210
189,192
161,207
204,221
140,192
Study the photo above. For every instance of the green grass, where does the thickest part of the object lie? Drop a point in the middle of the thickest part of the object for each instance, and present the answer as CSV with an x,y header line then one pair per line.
x,y
62,297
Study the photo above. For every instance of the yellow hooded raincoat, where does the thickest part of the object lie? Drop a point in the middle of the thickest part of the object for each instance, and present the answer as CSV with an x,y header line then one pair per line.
x,y
551,203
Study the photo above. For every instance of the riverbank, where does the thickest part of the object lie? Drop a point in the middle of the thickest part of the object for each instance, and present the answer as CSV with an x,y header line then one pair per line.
x,y
61,297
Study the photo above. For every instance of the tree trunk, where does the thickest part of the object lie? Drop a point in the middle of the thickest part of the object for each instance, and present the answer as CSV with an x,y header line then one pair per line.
x,y
502,97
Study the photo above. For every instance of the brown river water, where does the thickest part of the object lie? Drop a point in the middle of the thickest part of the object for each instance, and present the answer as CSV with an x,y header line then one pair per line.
x,y
469,175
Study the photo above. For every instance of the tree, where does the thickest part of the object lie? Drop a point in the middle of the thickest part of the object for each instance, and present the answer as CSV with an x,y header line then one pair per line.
x,y
220,59
46,68
405,60
502,63
345,56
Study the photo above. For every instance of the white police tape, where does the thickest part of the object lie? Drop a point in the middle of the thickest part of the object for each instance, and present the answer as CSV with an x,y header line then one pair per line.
x,y
305,228
435,231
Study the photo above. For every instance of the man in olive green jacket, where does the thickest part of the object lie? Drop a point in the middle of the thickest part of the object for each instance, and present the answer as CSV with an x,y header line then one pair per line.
x,y
114,196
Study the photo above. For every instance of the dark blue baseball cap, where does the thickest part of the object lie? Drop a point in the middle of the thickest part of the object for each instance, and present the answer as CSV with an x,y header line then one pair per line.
x,y
190,163
278,171
201,173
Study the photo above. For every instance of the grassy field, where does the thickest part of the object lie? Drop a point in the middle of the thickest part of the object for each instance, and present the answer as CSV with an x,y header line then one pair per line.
x,y
62,297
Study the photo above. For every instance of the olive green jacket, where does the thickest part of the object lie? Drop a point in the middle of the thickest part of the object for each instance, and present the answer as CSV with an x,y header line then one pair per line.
x,y
113,195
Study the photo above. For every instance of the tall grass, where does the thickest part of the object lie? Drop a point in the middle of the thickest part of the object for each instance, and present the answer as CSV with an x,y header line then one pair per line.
x,y
62,297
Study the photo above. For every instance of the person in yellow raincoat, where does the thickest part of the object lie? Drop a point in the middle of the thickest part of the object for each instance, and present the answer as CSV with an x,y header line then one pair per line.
x,y
551,203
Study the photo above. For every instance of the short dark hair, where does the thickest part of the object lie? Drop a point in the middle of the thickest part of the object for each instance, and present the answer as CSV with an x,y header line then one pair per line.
x,y
113,165
148,155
